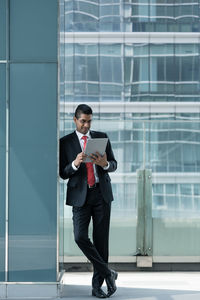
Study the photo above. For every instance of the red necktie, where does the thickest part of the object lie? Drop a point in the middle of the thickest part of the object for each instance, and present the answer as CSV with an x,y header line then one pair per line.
x,y
89,166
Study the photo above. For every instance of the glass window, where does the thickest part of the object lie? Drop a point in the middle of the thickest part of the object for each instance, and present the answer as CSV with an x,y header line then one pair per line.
x,y
109,74
142,15
132,72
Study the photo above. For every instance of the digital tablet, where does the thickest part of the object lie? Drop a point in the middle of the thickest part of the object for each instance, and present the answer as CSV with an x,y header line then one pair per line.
x,y
95,145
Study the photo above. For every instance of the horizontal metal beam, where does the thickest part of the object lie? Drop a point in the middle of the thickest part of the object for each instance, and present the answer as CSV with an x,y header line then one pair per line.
x,y
159,177
165,178
131,37
132,259
176,259
112,259
135,107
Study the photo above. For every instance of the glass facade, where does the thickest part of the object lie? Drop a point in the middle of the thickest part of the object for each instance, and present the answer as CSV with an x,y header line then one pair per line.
x,y
3,167
2,136
137,64
171,150
28,141
3,27
132,15
32,230
131,72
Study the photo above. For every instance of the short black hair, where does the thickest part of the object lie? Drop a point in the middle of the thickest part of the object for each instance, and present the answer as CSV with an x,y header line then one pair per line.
x,y
82,109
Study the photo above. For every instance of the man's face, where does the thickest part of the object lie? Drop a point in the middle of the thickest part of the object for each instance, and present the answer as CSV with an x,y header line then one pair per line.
x,y
83,123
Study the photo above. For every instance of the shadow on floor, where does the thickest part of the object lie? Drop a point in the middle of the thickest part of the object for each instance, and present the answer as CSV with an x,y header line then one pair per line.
x,y
84,292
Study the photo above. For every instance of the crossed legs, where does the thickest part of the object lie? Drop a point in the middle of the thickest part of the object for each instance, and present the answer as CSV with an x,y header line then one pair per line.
x,y
96,252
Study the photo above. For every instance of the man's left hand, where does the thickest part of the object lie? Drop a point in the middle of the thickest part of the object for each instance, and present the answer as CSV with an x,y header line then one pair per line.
x,y
99,160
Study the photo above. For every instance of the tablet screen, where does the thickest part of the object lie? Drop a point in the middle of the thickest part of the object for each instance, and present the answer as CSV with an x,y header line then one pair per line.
x,y
95,145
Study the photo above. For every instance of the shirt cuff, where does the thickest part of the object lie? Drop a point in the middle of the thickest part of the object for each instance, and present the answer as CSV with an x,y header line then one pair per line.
x,y
74,167
107,167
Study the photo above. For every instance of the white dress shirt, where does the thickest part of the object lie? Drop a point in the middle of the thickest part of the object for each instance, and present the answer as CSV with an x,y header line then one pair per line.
x,y
81,141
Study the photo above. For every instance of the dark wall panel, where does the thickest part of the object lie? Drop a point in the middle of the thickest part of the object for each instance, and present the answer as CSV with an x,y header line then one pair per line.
x,y
32,172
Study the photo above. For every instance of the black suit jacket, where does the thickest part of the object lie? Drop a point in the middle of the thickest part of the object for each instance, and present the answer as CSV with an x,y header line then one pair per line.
x,y
77,184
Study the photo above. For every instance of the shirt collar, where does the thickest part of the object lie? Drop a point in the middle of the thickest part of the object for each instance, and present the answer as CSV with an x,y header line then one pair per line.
x,y
80,134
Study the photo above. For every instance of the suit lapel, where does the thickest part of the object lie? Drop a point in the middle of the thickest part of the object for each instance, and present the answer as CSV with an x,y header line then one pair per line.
x,y
77,149
76,143
93,134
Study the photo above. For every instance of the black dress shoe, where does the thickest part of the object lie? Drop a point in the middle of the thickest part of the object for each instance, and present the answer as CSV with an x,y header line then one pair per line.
x,y
110,281
99,293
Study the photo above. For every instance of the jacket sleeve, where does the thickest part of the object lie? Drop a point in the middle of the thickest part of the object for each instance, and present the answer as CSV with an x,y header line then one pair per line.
x,y
65,167
110,158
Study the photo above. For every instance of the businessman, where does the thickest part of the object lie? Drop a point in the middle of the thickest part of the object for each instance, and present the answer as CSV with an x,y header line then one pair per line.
x,y
89,192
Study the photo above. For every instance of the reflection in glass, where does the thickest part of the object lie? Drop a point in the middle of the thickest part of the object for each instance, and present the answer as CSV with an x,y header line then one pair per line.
x,y
111,74
131,72
124,185
173,154
132,15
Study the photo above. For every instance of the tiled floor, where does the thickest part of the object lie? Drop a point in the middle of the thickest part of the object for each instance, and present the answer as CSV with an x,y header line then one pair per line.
x,y
134,286
138,286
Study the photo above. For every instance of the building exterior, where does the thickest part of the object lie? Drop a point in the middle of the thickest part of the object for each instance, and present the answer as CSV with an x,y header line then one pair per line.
x,y
137,64
29,260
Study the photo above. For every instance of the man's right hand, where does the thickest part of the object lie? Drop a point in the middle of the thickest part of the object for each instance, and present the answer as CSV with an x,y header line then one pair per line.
x,y
79,159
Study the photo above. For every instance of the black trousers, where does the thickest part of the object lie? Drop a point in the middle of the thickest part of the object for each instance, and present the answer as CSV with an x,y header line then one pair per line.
x,y
98,210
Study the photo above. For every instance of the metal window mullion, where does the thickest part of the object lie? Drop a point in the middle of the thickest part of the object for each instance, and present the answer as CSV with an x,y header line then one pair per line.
x,y
58,130
7,133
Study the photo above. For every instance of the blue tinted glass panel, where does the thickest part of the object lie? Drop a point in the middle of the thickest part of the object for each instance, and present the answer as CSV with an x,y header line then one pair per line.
x,y
173,147
2,29
132,16
131,72
33,22
86,75
3,167
32,172
127,148
173,155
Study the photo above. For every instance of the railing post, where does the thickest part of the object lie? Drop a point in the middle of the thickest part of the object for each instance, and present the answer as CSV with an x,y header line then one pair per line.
x,y
148,241
140,214
144,218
